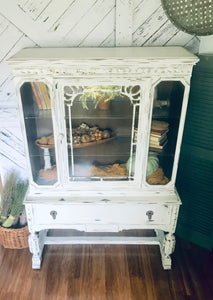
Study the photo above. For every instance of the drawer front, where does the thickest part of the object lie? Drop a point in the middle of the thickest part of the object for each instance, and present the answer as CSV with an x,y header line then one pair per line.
x,y
135,214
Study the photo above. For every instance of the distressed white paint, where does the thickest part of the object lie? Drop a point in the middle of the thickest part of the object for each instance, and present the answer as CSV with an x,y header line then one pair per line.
x,y
71,23
163,35
55,11
101,240
124,14
82,23
33,8
143,10
7,92
36,31
72,16
105,29
12,156
8,39
109,40
146,30
88,22
29,23
103,206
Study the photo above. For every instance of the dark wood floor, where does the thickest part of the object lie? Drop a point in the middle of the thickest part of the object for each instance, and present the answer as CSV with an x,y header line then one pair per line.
x,y
110,272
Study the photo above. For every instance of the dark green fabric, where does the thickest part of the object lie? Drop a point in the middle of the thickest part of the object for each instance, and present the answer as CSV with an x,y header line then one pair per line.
x,y
195,172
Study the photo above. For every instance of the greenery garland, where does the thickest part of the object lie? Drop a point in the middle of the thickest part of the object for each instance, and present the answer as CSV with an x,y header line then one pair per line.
x,y
96,93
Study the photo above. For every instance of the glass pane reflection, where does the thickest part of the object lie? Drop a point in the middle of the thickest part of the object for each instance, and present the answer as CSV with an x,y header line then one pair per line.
x,y
164,130
101,138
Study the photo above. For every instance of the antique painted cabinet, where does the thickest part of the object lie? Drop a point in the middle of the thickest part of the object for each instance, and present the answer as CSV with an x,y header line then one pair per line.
x,y
100,169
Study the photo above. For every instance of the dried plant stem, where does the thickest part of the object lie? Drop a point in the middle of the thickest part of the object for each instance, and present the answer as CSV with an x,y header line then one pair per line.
x,y
7,195
17,205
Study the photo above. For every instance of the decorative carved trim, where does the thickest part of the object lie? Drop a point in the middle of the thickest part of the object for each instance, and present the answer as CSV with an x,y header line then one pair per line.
x,y
29,212
34,244
134,93
131,71
168,244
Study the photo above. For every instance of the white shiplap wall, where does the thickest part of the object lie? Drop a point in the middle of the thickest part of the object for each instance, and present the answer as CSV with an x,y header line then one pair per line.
x,y
72,23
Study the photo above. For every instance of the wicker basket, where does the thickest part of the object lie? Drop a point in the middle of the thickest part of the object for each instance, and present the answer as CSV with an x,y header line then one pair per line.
x,y
14,238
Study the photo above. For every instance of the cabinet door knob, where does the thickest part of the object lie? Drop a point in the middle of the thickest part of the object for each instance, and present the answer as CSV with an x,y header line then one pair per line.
x,y
53,213
60,137
149,214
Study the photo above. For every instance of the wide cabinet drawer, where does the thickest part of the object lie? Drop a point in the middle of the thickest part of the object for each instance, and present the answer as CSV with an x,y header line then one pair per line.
x,y
130,214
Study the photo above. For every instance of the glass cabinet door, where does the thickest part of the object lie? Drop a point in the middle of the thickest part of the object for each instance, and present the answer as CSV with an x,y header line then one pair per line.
x,y
101,125
37,113
166,112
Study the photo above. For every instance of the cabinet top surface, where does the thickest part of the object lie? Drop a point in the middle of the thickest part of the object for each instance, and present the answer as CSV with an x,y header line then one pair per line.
x,y
122,53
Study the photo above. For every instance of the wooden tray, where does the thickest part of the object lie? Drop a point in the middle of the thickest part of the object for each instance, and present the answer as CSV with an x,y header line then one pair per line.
x,y
49,146
84,145
81,145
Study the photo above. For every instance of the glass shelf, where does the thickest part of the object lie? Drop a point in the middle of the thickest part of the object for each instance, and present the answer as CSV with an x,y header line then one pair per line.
x,y
44,114
114,111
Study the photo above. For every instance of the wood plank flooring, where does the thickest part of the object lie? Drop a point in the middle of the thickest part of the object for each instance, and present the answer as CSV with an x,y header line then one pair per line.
x,y
107,272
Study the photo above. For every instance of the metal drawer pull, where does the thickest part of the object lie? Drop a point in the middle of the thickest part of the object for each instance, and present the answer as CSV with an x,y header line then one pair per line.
x,y
53,213
149,214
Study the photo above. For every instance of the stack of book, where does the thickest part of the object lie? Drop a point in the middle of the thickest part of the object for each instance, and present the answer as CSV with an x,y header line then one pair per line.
x,y
158,136
41,95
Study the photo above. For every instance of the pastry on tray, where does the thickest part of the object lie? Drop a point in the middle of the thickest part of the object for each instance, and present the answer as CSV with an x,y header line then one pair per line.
x,y
84,134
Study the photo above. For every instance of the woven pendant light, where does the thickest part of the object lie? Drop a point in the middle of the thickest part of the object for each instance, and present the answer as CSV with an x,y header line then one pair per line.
x,y
192,16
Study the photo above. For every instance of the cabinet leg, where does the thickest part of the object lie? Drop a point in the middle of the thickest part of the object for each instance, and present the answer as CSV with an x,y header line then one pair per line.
x,y
167,246
36,245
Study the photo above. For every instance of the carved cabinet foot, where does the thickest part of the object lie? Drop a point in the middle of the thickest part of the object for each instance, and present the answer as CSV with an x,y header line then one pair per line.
x,y
167,246
36,245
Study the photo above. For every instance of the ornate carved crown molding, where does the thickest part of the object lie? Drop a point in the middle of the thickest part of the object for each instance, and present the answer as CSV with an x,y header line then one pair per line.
x,y
175,70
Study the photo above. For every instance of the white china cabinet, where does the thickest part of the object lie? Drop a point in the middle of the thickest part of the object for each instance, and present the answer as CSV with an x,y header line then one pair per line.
x,y
98,169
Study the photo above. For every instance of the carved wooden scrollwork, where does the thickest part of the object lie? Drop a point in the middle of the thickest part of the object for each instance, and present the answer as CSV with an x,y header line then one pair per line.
x,y
168,244
132,92
102,71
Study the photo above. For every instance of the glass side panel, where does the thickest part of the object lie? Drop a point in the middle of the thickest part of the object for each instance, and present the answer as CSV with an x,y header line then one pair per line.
x,y
168,98
100,122
39,130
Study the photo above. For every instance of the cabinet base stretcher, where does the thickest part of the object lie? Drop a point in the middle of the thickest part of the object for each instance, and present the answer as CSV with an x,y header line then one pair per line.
x,y
166,242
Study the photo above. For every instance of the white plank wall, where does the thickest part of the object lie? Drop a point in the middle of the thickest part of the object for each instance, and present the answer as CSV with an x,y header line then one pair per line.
x,y
72,23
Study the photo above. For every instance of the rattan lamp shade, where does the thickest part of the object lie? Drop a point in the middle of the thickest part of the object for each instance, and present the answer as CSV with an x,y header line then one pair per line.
x,y
192,16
